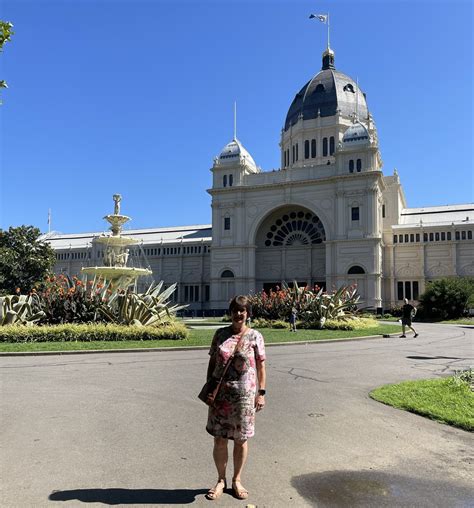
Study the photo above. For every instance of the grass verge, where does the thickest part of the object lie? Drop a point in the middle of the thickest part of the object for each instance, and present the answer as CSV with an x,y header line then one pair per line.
x,y
460,321
444,400
197,338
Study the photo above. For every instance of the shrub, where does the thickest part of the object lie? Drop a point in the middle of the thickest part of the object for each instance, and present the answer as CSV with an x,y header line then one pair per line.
x,y
91,332
464,377
279,324
448,298
350,324
261,323
396,311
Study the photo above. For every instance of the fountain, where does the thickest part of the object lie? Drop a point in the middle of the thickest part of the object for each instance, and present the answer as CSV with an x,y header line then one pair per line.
x,y
116,253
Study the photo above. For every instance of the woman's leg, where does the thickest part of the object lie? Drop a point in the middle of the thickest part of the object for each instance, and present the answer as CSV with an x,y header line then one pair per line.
x,y
221,456
240,457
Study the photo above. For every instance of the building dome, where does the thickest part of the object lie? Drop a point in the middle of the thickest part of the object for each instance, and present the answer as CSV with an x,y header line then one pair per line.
x,y
325,94
235,153
356,134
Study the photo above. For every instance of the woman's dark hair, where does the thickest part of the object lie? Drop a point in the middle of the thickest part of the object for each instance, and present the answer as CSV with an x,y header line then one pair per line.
x,y
239,302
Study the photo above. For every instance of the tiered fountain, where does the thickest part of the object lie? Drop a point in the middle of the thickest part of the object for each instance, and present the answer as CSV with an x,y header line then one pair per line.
x,y
115,269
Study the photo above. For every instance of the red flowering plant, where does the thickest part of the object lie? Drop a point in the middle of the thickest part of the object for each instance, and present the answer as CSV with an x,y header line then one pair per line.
x,y
277,304
65,299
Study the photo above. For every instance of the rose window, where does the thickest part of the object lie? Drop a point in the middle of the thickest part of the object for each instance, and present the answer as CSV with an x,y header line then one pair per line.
x,y
295,228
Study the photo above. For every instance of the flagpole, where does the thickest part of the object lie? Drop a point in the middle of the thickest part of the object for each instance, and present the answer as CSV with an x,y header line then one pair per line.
x,y
328,30
235,120
49,220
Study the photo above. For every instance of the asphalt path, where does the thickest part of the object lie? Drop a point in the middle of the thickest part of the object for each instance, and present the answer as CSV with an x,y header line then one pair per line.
x,y
127,429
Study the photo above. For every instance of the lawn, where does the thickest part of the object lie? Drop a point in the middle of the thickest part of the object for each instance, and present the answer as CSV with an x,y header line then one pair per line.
x,y
200,337
446,400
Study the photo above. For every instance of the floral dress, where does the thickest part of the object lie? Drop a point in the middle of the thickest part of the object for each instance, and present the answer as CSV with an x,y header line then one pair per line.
x,y
233,413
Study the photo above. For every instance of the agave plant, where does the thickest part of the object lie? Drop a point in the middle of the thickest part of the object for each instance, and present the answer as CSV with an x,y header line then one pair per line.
x,y
19,309
324,306
151,308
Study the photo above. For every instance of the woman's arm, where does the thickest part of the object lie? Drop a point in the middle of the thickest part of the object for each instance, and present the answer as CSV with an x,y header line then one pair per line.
x,y
211,366
261,374
212,358
262,379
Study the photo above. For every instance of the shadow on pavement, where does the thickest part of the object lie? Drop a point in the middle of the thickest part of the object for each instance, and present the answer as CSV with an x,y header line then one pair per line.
x,y
128,496
379,489
434,358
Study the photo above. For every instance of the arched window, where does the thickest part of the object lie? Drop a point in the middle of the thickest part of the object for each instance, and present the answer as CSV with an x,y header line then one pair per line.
x,y
359,165
331,145
348,88
325,147
224,180
293,149
227,274
296,151
319,88
306,149
351,166
231,180
313,148
284,159
295,229
356,270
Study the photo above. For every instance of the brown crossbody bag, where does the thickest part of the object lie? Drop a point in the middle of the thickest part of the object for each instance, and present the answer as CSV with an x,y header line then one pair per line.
x,y
209,391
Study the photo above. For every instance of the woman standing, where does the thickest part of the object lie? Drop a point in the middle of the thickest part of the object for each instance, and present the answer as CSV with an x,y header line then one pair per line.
x,y
232,413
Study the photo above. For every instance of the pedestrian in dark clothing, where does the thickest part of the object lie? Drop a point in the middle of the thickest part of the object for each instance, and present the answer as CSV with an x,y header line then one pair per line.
x,y
293,319
408,313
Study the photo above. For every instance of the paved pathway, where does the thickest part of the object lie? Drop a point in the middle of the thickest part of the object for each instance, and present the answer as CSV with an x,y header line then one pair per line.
x,y
127,429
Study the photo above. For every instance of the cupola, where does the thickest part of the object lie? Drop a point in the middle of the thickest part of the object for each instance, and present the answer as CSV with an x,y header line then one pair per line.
x,y
233,154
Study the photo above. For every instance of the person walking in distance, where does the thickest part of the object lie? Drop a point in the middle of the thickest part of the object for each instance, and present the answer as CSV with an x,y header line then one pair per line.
x,y
408,313
293,316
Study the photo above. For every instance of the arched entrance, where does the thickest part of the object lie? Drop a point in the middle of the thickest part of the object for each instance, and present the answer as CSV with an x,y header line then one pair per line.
x,y
290,247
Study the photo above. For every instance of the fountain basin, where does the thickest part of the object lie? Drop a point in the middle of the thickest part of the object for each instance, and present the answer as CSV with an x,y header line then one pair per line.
x,y
114,272
116,241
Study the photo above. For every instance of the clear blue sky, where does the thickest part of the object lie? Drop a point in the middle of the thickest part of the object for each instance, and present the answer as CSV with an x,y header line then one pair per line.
x,y
136,97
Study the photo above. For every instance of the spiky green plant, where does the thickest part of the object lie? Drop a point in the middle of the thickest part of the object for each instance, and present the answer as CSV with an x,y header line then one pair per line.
x,y
313,306
19,309
151,308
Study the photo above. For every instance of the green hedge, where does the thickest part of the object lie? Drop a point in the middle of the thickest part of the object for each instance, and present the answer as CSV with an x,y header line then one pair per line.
x,y
91,332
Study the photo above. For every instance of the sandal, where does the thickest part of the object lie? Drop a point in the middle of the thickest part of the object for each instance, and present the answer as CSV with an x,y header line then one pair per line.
x,y
217,491
239,491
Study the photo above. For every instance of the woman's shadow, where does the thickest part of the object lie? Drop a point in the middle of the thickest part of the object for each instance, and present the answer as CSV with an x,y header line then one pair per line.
x,y
128,496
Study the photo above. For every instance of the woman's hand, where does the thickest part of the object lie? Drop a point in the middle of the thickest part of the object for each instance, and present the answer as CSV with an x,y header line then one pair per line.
x,y
259,402
210,398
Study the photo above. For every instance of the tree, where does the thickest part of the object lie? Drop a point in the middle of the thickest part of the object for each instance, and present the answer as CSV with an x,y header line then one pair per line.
x,y
448,298
6,33
24,259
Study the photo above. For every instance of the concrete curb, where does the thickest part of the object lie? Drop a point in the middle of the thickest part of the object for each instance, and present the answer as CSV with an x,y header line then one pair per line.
x,y
182,348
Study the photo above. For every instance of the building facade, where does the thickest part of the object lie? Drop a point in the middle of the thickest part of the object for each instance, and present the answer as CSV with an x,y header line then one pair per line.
x,y
327,217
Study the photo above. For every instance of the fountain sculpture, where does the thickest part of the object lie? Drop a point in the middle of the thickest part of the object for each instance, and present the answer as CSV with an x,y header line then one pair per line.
x,y
116,253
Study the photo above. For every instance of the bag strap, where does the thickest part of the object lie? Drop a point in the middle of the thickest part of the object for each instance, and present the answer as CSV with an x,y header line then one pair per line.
x,y
229,361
